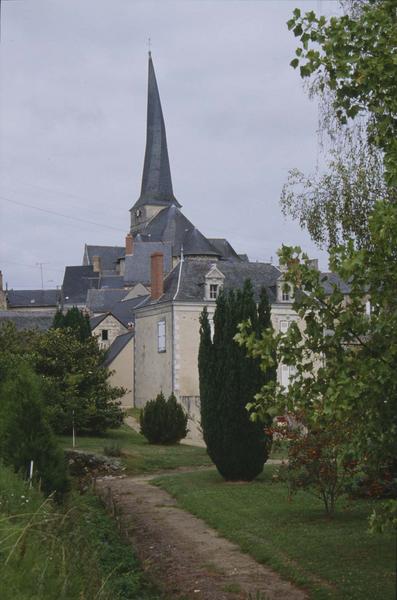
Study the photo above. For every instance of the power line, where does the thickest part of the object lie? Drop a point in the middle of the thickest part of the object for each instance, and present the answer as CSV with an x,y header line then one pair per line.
x,y
57,214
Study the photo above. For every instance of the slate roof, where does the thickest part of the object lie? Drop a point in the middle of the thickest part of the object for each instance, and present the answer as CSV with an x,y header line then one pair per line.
x,y
95,321
103,300
40,320
331,279
108,255
193,274
156,179
124,310
116,281
33,298
138,265
171,225
117,346
76,283
226,250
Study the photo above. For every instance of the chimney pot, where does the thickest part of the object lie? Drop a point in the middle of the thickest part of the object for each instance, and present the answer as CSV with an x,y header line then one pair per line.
x,y
129,244
157,275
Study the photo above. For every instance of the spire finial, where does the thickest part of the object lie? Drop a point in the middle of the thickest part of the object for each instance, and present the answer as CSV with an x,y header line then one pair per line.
x,y
149,47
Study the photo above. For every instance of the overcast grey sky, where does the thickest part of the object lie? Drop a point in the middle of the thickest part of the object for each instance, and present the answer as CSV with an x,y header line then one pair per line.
x,y
73,117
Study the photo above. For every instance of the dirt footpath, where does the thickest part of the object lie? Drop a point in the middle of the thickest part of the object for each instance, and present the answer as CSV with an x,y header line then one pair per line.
x,y
181,553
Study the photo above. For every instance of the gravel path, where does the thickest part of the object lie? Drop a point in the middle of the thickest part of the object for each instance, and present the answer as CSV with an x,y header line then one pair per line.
x,y
186,557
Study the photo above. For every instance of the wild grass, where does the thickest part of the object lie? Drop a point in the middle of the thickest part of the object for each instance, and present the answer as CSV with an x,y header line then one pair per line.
x,y
334,559
68,552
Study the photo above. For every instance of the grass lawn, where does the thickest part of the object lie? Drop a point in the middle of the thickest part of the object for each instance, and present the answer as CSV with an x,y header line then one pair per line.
x,y
138,455
335,559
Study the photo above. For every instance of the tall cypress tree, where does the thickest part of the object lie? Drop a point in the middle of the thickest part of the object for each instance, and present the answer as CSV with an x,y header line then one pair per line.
x,y
228,381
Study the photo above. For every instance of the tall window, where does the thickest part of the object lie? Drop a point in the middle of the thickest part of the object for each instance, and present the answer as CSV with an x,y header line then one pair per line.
x,y
213,291
285,293
161,336
105,335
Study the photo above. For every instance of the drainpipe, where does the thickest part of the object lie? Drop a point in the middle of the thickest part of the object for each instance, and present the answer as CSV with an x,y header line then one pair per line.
x,y
173,320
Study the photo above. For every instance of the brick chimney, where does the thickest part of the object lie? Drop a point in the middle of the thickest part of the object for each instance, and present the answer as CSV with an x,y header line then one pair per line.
x,y
129,244
96,264
157,275
1,281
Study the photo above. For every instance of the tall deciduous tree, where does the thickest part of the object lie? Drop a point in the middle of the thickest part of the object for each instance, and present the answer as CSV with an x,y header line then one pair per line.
x,y
345,356
349,62
228,381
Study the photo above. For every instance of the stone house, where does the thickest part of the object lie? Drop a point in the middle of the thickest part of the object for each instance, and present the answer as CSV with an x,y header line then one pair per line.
x,y
120,361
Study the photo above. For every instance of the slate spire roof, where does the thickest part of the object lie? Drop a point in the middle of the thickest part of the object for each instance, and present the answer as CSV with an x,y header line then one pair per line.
x,y
156,179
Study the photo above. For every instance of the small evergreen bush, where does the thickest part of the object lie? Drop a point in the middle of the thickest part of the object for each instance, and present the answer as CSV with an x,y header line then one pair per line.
x,y
163,421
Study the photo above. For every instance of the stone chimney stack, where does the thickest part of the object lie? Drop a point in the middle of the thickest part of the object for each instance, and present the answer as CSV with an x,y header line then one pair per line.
x,y
129,244
157,275
96,264
1,281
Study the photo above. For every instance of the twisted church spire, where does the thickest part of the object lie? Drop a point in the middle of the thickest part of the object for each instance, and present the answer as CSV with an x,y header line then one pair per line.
x,y
156,179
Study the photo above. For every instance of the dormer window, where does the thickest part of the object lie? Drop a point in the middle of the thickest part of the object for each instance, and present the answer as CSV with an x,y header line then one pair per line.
x,y
213,291
285,296
213,283
284,291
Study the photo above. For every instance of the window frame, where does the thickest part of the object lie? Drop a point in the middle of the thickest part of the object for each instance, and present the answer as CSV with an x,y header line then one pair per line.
x,y
213,289
161,336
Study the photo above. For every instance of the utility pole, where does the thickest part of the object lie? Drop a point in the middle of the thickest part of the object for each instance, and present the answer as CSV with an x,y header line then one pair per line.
x,y
40,264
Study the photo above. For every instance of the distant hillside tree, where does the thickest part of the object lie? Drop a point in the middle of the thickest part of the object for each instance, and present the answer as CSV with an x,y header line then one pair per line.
x,y
76,320
228,382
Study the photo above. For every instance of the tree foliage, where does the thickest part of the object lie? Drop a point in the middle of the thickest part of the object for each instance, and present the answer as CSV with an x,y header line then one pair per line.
x,y
334,202
25,434
74,319
350,66
318,463
76,383
228,380
345,357
354,56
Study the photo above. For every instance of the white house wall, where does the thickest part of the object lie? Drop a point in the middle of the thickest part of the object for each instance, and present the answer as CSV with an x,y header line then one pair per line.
x,y
153,369
123,376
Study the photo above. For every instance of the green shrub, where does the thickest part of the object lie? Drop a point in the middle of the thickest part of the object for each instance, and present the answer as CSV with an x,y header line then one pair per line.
x,y
25,434
112,450
163,421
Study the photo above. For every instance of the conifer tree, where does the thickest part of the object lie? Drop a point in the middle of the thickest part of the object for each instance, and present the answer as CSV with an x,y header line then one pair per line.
x,y
228,381
74,319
